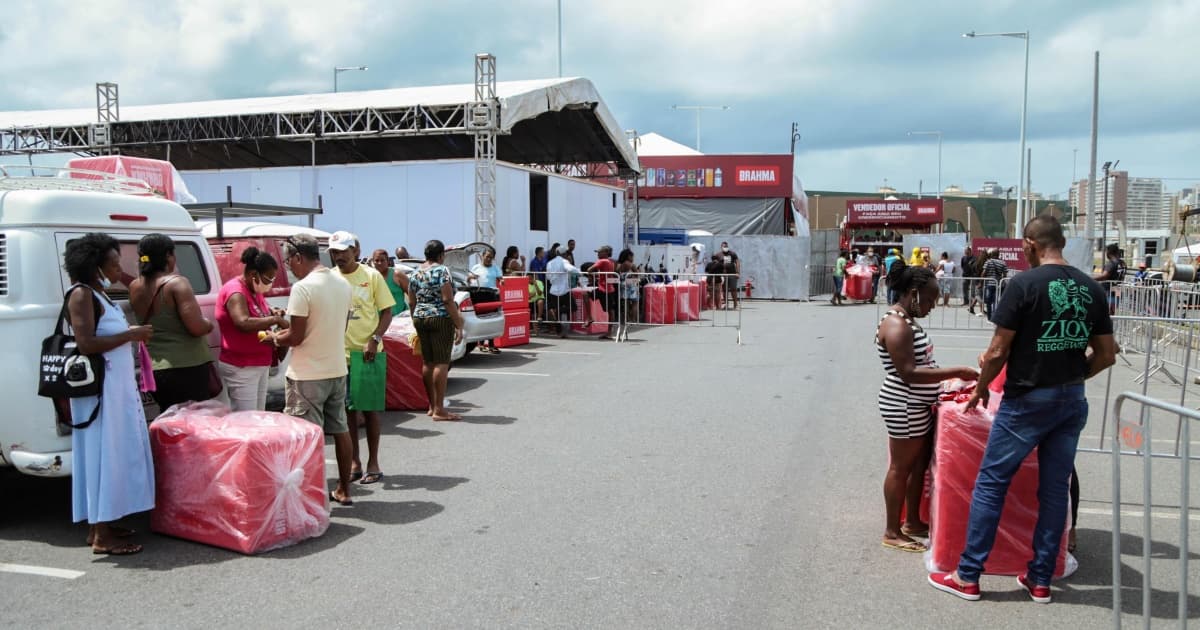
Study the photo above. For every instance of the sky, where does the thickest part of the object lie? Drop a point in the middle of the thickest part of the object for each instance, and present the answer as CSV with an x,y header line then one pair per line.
x,y
855,75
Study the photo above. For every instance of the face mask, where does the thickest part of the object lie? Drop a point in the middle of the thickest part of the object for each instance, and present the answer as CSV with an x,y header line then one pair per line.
x,y
105,283
725,249
261,287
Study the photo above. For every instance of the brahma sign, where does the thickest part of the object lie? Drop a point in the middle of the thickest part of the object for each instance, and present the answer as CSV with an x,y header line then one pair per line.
x,y
894,212
759,176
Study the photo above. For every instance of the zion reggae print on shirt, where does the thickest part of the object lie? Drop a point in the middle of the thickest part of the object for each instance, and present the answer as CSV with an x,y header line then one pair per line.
x,y
1068,299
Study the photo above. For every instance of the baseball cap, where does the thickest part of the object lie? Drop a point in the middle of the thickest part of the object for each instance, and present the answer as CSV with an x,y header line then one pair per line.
x,y
342,240
604,248
563,249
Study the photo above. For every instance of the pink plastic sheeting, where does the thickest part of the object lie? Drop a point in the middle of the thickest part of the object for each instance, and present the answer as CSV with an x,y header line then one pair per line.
x,y
958,451
250,481
405,384
688,299
858,282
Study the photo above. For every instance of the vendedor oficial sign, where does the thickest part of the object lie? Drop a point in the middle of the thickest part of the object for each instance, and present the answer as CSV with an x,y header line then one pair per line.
x,y
894,212
758,176
1011,252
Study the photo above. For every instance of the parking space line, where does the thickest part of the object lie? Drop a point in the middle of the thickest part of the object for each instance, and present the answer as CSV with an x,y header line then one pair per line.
x,y
27,569
582,354
494,372
1138,514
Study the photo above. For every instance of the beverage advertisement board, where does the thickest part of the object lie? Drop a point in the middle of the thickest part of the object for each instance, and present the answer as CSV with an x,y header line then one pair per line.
x,y
757,176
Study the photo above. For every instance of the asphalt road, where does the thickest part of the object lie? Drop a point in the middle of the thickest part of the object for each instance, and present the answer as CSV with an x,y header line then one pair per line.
x,y
676,481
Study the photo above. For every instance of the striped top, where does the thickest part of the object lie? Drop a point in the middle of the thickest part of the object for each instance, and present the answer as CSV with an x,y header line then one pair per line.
x,y
896,390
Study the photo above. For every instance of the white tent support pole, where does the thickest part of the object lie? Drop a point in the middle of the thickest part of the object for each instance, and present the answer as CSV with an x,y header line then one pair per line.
x,y
484,121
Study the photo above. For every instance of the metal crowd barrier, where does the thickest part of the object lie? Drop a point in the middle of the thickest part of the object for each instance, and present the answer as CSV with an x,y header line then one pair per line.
x,y
640,299
956,315
1137,436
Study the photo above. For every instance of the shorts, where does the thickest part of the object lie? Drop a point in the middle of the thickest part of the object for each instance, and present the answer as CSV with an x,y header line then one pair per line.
x,y
437,338
607,301
321,402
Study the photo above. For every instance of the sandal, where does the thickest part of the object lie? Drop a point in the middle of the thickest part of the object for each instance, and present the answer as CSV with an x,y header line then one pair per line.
x,y
123,549
912,546
371,477
118,532
346,501
915,533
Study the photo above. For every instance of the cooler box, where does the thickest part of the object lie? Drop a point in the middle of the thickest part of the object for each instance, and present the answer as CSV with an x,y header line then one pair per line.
x,y
688,298
958,450
516,329
659,303
858,282
249,481
405,385
514,293
599,317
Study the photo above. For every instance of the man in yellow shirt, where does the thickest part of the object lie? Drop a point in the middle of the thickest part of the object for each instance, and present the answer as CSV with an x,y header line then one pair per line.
x,y
371,305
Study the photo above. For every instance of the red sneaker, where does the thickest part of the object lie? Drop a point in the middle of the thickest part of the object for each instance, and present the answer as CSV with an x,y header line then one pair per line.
x,y
1039,594
946,582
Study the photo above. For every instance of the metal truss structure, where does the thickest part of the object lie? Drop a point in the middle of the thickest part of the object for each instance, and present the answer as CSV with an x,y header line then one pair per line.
x,y
485,123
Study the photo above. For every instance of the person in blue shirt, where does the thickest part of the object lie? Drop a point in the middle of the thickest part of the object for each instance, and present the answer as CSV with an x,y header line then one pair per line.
x,y
892,257
486,272
537,266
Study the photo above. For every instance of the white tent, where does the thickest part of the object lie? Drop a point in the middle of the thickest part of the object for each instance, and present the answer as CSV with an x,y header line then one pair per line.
x,y
655,145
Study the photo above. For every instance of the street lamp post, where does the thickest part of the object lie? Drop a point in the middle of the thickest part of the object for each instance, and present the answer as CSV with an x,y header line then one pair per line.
x,y
1007,192
340,69
698,109
795,136
1104,227
1021,193
939,137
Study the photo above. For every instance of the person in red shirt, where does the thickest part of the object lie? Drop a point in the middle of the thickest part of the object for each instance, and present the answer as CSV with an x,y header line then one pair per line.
x,y
604,273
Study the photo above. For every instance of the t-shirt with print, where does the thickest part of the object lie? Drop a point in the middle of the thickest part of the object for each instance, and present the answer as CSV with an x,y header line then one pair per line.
x,y
370,295
1054,310
426,285
324,299
730,259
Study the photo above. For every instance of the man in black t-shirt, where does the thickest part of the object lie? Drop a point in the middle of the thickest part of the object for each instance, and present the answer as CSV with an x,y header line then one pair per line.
x,y
1053,331
733,269
967,265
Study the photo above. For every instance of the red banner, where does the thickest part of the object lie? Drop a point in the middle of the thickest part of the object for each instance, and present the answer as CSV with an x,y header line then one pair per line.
x,y
894,212
1011,251
698,176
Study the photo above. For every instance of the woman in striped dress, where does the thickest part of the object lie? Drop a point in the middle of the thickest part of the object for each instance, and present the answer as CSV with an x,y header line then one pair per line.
x,y
906,399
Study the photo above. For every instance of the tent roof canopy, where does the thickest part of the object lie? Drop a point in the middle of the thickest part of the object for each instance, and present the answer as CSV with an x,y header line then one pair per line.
x,y
549,121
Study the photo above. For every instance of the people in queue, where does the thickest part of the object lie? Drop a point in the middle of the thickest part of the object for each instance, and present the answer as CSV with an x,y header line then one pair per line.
x,y
993,271
945,272
537,266
183,365
629,292
381,263
1112,274
715,270
733,270
315,387
438,323
247,326
537,299
112,471
510,255
604,271
1044,405
560,270
839,276
906,401
371,305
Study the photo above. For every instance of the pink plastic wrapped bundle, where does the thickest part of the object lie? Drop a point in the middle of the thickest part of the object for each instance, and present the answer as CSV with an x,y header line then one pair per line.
x,y
249,481
958,451
405,387
858,282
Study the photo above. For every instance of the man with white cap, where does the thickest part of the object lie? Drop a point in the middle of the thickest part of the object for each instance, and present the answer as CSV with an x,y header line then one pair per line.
x,y
371,305
558,272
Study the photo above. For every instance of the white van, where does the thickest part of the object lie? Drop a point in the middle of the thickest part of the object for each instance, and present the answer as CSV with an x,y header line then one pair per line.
x,y
36,224
267,237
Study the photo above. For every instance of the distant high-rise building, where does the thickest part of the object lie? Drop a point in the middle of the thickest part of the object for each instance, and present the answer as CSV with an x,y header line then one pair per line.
x,y
991,189
1136,202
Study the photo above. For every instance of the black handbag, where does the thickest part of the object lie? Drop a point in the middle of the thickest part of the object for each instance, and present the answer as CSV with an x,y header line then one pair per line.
x,y
64,371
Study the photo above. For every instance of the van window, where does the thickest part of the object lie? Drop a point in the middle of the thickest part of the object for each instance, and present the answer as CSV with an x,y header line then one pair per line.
x,y
188,263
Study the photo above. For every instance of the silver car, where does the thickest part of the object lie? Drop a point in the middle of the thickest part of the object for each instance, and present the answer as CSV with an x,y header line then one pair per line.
x,y
482,324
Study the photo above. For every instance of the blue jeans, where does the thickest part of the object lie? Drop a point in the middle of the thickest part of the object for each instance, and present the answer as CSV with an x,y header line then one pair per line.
x,y
837,285
989,298
1050,419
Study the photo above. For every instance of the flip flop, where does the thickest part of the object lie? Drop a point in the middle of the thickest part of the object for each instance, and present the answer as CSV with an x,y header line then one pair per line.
x,y
355,475
915,533
371,477
912,546
117,532
124,549
346,501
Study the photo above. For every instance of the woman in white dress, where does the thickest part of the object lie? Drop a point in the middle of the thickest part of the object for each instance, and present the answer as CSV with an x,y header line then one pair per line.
x,y
112,469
